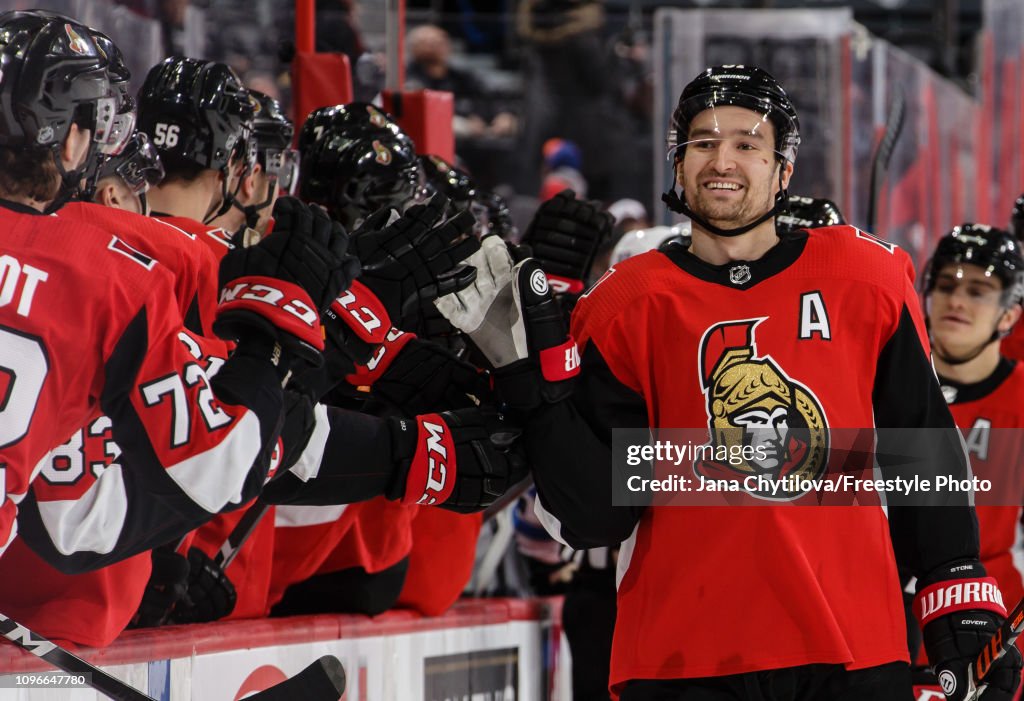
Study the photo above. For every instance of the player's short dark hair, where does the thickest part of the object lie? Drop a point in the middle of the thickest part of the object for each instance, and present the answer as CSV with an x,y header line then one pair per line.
x,y
28,171
179,169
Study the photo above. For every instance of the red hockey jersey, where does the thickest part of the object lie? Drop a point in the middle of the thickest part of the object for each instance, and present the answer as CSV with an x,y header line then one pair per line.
x,y
990,415
816,333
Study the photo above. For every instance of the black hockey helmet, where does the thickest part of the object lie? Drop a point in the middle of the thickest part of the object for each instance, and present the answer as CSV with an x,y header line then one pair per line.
x,y
493,216
454,183
349,120
1017,218
739,86
273,133
807,213
735,86
138,164
995,251
197,111
51,75
355,169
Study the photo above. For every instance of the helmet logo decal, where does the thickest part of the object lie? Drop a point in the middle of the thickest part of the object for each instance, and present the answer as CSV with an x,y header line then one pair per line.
x,y
757,412
45,135
383,155
76,43
739,274
376,118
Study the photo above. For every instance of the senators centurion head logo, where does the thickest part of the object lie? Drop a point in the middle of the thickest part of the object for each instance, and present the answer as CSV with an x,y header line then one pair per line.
x,y
763,421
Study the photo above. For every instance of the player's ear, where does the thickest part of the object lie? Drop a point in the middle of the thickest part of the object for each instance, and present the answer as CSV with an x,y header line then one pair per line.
x,y
787,173
106,195
75,147
1010,317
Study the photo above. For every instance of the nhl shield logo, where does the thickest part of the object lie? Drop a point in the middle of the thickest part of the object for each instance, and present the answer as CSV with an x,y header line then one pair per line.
x,y
739,274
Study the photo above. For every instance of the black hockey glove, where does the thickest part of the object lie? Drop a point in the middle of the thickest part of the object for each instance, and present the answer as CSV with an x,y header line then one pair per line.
x,y
211,595
959,609
425,377
460,460
167,586
278,288
564,236
510,314
415,259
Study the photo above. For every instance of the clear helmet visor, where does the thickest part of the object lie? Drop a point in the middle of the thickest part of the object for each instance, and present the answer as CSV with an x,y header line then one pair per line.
x,y
734,130
113,128
283,165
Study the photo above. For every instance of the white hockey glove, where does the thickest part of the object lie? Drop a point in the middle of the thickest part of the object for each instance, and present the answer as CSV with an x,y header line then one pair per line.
x,y
510,315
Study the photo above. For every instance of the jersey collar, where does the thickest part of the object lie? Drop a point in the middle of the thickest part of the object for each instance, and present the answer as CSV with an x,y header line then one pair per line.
x,y
742,274
959,393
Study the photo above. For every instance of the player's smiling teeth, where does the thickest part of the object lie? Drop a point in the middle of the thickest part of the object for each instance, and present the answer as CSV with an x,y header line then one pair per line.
x,y
721,186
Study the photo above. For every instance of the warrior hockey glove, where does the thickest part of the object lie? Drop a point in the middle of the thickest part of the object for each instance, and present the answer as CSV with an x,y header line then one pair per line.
x,y
459,460
415,259
564,236
279,287
959,609
511,315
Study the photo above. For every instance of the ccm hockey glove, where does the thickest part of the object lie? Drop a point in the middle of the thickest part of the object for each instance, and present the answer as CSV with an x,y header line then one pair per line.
x,y
959,609
459,460
564,236
415,259
511,315
277,288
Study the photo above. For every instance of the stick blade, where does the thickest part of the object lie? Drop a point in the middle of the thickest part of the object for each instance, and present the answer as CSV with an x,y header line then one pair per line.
x,y
323,680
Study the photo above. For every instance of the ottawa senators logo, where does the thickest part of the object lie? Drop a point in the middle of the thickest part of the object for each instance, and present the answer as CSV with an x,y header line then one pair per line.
x,y
377,118
759,419
383,155
76,43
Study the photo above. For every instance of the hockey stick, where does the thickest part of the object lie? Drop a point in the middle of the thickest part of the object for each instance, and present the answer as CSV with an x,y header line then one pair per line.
x,y
240,533
998,645
72,664
883,153
510,497
323,680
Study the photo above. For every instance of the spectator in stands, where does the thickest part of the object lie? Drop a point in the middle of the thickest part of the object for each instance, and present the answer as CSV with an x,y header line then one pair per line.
x,y
571,91
337,29
184,28
430,50
562,169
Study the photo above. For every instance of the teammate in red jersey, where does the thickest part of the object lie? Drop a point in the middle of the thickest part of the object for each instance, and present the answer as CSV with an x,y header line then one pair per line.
x,y
126,354
755,339
1013,345
974,287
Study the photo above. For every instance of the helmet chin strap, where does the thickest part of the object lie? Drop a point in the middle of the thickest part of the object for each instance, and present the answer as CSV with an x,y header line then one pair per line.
x,y
678,204
227,199
70,180
950,360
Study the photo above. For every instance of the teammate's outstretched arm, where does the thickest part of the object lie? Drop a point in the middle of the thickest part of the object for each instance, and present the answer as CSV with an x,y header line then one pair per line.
x,y
196,434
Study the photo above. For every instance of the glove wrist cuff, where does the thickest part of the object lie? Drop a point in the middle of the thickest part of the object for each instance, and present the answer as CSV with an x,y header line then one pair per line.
x,y
951,596
285,305
430,475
